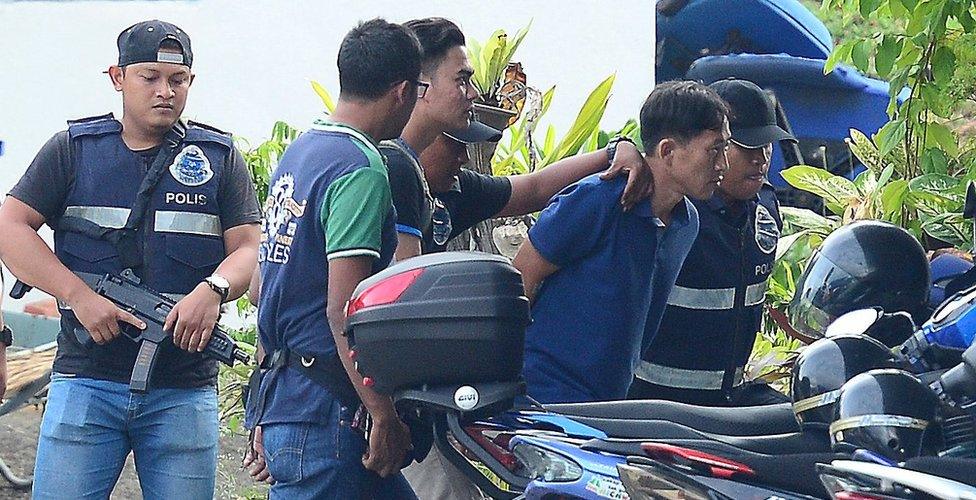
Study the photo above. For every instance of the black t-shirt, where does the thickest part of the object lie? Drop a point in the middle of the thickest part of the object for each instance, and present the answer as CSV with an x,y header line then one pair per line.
x,y
44,187
411,197
474,198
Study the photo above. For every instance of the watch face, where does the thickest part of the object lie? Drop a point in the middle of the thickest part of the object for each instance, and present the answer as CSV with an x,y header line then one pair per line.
x,y
220,281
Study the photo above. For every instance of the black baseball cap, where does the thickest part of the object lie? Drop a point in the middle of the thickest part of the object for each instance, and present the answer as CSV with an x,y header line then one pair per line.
x,y
752,119
474,133
140,43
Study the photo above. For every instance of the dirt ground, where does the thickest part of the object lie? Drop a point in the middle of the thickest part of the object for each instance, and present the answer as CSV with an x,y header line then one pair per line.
x,y
18,442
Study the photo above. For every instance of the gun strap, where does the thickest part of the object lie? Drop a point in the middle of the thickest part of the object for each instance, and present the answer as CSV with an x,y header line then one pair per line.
x,y
124,238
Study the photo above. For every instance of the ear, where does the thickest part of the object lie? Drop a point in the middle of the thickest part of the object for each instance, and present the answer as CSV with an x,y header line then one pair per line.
x,y
192,77
116,75
666,147
403,93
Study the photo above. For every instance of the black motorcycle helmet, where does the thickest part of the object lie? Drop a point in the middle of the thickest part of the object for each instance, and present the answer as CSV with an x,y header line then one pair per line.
x,y
863,264
889,412
824,366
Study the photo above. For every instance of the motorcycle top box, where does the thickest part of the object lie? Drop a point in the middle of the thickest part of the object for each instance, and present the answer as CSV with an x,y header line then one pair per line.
x,y
443,319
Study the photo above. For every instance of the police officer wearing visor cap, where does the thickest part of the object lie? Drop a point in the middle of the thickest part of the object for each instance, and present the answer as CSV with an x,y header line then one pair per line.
x,y
715,308
173,202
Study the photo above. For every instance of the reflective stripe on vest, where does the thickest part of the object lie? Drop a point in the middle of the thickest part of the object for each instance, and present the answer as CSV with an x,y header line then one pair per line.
x,y
714,299
682,378
187,222
166,221
113,217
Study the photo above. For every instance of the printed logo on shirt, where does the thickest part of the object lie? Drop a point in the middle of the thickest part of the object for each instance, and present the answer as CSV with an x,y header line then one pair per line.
x,y
279,224
191,167
767,232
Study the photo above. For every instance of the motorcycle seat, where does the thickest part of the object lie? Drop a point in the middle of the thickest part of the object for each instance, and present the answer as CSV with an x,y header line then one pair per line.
x,y
671,432
956,469
739,421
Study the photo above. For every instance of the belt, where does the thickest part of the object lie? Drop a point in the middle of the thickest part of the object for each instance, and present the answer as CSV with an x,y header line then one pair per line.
x,y
325,370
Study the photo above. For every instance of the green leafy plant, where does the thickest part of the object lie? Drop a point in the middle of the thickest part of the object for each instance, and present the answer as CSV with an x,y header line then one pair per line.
x,y
490,61
519,152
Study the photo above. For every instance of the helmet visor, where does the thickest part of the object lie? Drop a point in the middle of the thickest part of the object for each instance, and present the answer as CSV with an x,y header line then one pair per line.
x,y
821,295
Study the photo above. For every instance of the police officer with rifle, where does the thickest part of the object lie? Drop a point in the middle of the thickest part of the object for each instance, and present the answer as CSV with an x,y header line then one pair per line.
x,y
148,210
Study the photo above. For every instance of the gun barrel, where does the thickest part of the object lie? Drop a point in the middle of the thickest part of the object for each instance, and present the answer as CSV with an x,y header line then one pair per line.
x,y
242,356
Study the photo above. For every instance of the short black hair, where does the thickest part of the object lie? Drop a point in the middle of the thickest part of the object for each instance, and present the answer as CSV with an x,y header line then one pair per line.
x,y
681,110
437,36
374,56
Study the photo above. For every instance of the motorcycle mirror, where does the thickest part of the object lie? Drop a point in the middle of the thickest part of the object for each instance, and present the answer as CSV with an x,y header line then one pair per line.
x,y
858,321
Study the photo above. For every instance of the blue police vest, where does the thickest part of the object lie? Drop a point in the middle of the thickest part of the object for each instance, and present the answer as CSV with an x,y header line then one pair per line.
x,y
181,235
715,308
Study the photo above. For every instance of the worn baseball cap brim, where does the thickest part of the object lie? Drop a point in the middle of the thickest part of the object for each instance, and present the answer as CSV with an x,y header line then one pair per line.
x,y
757,137
475,132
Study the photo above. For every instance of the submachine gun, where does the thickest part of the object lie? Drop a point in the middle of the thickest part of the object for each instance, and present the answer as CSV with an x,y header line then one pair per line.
x,y
127,292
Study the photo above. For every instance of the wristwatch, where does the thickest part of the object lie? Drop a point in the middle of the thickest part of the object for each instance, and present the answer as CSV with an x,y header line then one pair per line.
x,y
218,284
612,146
6,336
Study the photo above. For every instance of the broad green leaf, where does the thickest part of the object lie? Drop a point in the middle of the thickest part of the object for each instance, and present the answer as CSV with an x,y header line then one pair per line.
x,y
586,122
864,149
966,20
943,64
916,23
893,196
937,99
867,7
866,182
860,53
805,219
949,227
885,175
840,54
834,189
890,135
940,184
909,4
943,137
325,96
884,60
897,9
786,242
934,161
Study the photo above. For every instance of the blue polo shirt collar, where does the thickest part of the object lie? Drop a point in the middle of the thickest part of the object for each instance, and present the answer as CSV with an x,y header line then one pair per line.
x,y
680,214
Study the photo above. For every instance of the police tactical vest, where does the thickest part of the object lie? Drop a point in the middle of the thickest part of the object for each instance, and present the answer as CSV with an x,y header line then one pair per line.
x,y
715,308
180,236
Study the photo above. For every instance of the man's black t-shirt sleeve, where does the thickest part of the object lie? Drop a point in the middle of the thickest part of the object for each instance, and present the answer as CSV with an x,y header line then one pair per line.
x,y
408,192
482,197
45,184
238,199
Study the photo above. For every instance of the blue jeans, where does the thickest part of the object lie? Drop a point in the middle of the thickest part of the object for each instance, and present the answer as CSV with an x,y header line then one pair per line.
x,y
324,461
90,426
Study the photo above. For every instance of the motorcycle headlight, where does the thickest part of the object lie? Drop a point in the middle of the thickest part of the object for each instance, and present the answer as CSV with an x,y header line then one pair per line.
x,y
540,463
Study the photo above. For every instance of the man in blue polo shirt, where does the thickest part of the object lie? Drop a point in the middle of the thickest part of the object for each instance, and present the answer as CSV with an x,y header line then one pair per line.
x,y
715,308
596,274
328,224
